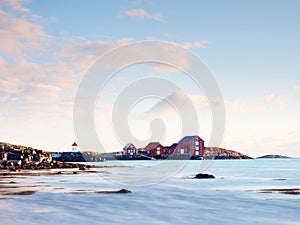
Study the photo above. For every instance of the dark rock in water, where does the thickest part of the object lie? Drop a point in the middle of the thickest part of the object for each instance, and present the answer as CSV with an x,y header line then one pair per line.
x,y
204,176
83,167
29,192
123,191
273,157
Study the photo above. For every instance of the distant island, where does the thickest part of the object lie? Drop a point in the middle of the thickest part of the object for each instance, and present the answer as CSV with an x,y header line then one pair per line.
x,y
274,157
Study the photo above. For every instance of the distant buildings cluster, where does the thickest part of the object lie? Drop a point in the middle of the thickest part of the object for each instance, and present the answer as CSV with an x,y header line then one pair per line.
x,y
192,146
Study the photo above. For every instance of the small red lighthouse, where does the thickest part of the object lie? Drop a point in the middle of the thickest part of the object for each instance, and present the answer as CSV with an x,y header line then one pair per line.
x,y
74,147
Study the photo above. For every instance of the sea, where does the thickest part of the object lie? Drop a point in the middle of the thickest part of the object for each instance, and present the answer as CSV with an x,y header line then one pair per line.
x,y
261,191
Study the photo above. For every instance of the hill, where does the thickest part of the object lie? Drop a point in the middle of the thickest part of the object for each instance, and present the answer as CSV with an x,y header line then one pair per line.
x,y
273,157
16,157
221,153
23,153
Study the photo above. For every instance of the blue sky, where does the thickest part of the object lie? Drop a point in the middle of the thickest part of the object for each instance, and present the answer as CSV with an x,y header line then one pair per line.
x,y
252,48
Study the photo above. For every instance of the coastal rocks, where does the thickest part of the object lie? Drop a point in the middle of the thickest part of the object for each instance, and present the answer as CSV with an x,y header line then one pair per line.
x,y
83,167
273,157
121,191
17,157
15,166
124,191
288,191
10,152
204,176
221,153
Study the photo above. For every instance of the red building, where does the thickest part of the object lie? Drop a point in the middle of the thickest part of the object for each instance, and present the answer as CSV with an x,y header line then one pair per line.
x,y
170,149
129,149
190,145
154,148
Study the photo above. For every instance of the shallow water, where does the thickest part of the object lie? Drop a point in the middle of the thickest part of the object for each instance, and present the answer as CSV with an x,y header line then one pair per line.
x,y
232,198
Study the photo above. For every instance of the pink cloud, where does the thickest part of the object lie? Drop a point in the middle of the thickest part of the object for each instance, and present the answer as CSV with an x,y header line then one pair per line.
x,y
81,48
297,87
142,14
15,5
197,44
19,29
269,97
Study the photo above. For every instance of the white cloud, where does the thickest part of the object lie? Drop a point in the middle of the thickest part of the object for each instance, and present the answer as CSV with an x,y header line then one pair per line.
x,y
297,87
199,103
269,97
197,44
236,106
275,102
78,48
141,14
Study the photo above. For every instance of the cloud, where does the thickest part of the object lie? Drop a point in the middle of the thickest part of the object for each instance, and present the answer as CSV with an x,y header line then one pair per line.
x,y
141,14
200,103
175,101
197,44
15,5
269,97
80,47
297,87
275,102
236,106
20,32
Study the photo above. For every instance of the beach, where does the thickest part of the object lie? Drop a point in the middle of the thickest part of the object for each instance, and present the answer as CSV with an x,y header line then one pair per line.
x,y
264,191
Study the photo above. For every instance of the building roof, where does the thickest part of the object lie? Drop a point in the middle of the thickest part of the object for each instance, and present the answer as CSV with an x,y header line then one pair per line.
x,y
128,145
153,145
174,145
74,144
189,138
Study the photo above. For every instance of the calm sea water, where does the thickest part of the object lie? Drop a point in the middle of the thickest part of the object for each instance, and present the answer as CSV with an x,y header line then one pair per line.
x,y
161,195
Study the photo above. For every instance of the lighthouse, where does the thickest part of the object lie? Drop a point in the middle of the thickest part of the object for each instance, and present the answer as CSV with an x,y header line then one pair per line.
x,y
74,147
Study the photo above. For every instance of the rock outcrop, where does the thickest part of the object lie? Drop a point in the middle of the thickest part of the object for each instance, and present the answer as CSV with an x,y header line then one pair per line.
x,y
204,176
273,157
23,154
221,153
17,157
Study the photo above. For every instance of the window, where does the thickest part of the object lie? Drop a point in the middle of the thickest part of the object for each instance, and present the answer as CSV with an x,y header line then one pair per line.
x,y
197,143
182,151
197,148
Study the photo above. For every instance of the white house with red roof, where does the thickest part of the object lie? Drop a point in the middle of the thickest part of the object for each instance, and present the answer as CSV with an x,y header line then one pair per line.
x,y
74,147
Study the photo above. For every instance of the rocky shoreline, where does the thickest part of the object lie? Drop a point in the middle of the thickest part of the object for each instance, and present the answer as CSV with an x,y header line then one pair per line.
x,y
15,166
17,157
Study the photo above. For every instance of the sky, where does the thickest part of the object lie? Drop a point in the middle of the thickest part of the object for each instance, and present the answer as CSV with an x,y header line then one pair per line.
x,y
251,48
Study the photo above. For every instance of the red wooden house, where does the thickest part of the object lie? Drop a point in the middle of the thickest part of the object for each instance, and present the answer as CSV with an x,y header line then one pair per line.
x,y
190,145
129,149
154,148
170,149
